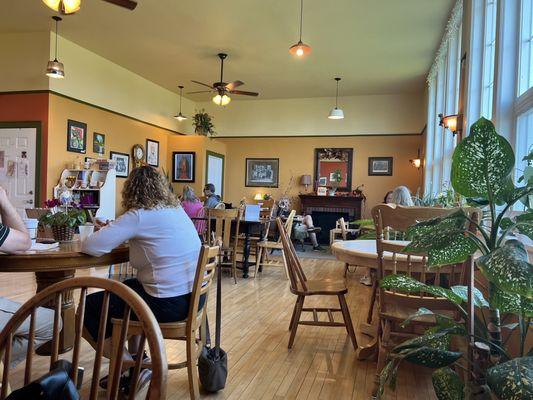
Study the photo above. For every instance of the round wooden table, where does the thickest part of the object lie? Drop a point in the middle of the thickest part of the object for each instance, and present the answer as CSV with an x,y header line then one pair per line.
x,y
55,265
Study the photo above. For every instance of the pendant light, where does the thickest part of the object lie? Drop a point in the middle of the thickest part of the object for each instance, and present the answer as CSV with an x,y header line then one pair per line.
x,y
63,6
180,117
300,49
55,69
336,112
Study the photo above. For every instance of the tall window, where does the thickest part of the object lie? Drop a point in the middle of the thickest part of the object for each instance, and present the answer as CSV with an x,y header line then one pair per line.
x,y
489,51
525,80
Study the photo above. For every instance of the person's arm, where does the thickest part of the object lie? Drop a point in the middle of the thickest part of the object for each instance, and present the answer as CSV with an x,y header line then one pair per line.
x,y
111,235
14,235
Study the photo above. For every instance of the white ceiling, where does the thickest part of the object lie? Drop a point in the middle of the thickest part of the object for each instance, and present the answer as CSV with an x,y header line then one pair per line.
x,y
376,46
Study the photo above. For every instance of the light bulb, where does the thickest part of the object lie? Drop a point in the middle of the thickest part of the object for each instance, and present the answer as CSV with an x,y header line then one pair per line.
x,y
63,6
221,100
299,52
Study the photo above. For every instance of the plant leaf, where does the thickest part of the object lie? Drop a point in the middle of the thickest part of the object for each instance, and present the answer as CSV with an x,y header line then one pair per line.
x,y
482,162
524,224
457,250
508,268
447,384
404,283
462,291
511,303
512,380
432,358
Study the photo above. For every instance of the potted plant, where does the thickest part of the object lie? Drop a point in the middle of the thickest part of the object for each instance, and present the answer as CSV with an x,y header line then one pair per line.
x,y
203,124
482,168
62,222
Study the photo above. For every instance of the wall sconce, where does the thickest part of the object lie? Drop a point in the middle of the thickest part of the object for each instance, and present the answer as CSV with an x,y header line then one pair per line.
x,y
305,180
258,196
417,162
453,122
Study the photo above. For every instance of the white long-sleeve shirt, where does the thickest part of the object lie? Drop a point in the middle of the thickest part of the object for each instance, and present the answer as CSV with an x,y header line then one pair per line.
x,y
164,248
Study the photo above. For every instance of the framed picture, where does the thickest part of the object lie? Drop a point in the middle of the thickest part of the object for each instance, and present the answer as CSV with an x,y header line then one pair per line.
x,y
183,163
321,191
98,143
380,166
262,172
322,181
76,136
152,152
123,163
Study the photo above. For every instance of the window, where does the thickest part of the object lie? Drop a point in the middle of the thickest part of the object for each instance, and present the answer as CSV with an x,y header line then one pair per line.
x,y
525,80
489,52
524,143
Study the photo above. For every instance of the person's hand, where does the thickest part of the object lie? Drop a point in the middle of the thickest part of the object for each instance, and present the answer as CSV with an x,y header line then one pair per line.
x,y
98,224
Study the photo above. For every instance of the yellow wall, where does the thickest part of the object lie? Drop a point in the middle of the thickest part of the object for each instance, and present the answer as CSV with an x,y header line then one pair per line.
x,y
296,158
121,134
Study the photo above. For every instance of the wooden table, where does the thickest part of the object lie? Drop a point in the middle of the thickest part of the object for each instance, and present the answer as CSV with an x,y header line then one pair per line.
x,y
56,265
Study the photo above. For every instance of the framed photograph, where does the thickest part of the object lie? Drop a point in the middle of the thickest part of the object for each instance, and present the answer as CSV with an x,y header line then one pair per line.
x,y
380,166
76,136
322,181
321,191
152,152
183,163
98,143
123,163
262,172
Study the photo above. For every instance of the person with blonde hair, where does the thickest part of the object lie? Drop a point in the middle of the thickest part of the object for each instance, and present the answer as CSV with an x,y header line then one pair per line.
x,y
164,249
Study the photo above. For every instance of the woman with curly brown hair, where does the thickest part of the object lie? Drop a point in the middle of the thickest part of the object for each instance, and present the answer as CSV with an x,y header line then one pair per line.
x,y
164,249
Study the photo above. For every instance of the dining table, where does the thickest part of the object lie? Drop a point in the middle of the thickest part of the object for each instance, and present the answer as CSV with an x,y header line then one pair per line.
x,y
55,265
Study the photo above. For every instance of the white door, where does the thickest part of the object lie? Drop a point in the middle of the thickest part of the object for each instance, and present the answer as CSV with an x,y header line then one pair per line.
x,y
17,166
215,171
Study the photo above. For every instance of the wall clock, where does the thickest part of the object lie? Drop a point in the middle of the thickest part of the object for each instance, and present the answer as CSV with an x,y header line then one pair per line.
x,y
138,154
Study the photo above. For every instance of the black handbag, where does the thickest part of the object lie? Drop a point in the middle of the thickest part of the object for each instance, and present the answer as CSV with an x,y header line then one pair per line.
x,y
213,362
55,385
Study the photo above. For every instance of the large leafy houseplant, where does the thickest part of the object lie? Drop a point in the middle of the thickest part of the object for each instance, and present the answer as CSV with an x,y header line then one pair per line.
x,y
203,123
482,168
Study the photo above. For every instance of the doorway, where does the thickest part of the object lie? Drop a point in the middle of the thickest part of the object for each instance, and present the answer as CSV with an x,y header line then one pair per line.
x,y
215,171
18,164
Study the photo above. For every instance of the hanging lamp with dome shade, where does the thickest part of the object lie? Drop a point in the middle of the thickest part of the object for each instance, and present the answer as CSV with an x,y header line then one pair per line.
x,y
336,112
55,69
64,7
180,117
300,49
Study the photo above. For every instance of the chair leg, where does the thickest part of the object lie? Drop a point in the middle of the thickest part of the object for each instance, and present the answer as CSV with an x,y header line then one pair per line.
x,y
293,315
258,260
192,372
234,266
297,312
285,264
347,320
383,341
372,302
346,267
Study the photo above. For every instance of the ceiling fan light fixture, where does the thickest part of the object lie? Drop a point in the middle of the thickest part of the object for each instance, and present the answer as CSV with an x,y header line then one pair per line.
x,y
223,100
63,6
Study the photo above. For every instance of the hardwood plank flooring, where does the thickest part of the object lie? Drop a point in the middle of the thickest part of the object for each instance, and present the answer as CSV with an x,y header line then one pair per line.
x,y
256,314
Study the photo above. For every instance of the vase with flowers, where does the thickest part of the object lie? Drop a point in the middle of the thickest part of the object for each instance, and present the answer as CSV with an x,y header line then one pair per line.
x,y
62,219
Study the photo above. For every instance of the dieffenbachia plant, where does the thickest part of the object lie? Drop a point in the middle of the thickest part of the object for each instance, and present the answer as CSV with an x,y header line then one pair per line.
x,y
482,168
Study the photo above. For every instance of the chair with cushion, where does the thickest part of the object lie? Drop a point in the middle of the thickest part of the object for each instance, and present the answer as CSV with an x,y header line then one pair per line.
x,y
265,245
303,287
54,294
189,329
395,306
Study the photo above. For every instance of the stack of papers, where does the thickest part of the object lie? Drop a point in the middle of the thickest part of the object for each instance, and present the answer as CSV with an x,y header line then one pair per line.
x,y
44,246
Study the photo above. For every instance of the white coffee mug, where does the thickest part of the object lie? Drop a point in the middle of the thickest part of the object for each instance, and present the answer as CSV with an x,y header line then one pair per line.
x,y
85,231
31,225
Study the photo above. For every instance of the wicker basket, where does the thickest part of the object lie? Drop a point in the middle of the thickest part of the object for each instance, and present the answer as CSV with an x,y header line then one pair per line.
x,y
63,233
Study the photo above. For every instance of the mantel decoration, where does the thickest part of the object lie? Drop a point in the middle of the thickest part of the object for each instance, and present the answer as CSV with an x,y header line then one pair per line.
x,y
482,171
203,124
63,218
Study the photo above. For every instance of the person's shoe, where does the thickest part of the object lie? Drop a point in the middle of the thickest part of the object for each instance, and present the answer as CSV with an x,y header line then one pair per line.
x,y
314,229
366,280
318,248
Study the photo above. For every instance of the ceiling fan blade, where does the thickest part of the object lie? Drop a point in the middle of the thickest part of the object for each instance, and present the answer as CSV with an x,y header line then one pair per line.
x,y
129,4
244,93
203,84
234,84
200,91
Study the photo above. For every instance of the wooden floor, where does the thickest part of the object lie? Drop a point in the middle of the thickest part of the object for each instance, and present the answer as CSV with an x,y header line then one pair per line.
x,y
256,314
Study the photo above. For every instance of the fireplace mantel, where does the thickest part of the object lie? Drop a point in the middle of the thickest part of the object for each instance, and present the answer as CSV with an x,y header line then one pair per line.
x,y
335,204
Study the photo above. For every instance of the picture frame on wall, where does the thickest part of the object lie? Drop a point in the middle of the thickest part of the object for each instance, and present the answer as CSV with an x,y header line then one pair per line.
x,y
122,161
262,172
183,166
380,166
98,143
76,136
152,152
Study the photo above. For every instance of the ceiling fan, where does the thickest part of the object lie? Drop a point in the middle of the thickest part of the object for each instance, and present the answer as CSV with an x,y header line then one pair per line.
x,y
221,88
71,6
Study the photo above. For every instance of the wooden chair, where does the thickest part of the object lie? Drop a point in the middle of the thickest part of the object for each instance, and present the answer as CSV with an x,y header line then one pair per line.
x,y
302,287
189,329
395,306
149,332
264,246
341,228
267,210
222,234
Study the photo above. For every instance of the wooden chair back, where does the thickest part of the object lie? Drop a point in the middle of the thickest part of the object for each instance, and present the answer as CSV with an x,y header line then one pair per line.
x,y
392,259
287,225
267,207
223,220
151,333
297,276
343,227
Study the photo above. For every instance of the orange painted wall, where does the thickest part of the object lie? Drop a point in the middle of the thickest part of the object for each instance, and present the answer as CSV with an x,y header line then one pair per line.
x,y
29,107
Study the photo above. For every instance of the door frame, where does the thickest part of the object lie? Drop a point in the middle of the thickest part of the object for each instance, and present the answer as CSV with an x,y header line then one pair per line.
x,y
223,157
37,125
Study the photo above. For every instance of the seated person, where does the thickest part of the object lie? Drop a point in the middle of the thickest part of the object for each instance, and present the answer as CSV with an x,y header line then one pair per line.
x,y
304,228
164,248
193,207
212,200
14,237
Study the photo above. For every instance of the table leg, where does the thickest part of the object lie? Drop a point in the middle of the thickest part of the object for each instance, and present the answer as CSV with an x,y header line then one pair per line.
x,y
66,336
246,253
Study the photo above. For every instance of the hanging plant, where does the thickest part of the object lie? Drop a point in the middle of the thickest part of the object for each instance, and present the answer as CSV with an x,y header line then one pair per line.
x,y
203,124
